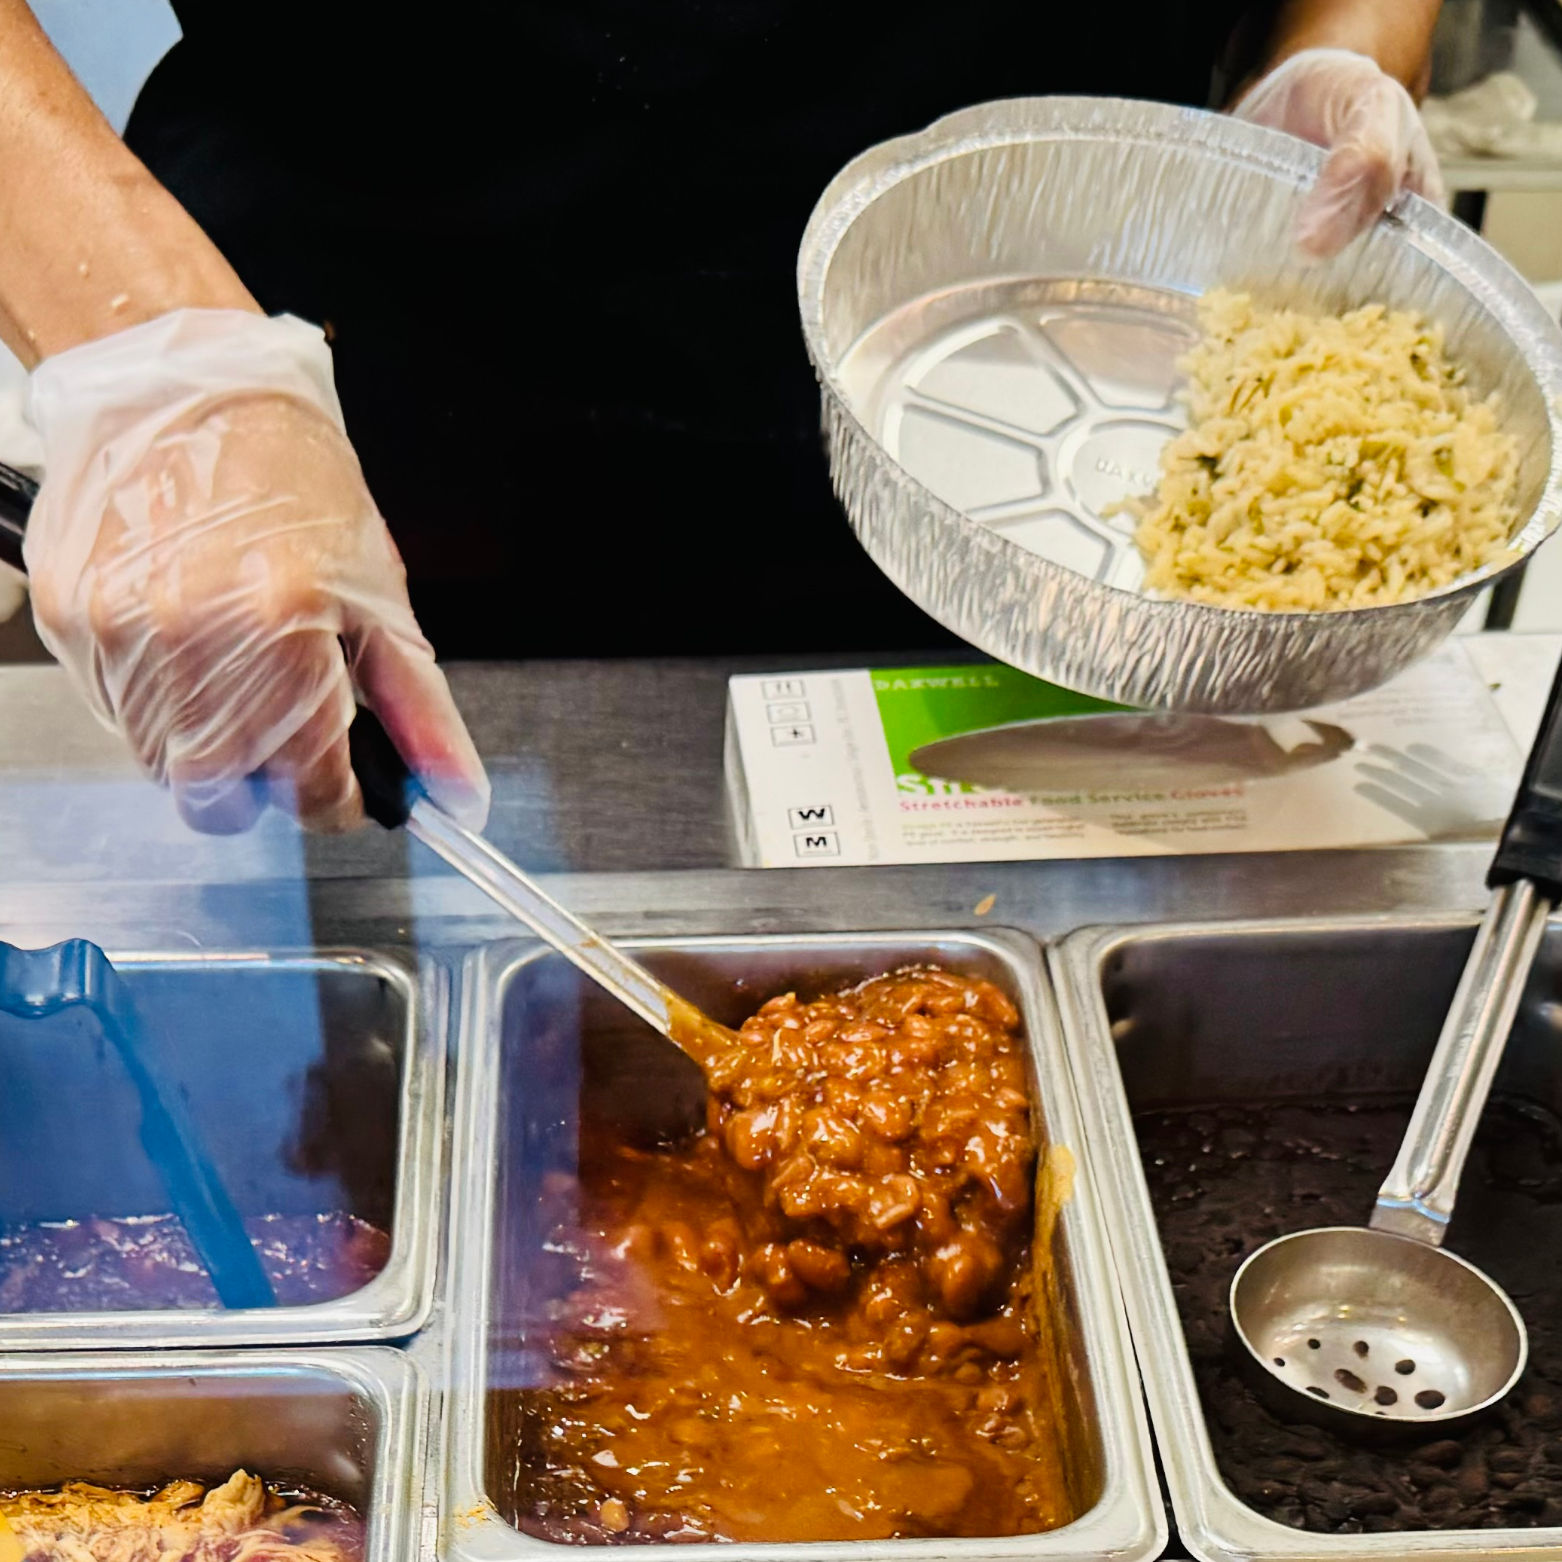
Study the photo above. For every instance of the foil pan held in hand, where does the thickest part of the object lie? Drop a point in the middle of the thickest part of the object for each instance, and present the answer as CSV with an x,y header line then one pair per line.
x,y
995,309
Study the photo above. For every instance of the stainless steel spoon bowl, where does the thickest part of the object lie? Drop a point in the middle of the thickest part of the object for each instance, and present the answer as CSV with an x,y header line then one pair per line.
x,y
1379,1325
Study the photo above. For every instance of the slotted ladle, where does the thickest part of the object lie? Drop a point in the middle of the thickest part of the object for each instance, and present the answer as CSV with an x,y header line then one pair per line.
x,y
1379,1324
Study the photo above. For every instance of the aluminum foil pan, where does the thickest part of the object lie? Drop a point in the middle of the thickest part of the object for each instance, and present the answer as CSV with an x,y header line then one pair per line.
x,y
995,308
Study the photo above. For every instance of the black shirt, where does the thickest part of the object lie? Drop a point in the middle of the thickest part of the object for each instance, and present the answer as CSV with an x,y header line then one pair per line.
x,y
554,246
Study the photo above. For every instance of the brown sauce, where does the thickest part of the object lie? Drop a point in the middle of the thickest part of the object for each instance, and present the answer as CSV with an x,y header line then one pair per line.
x,y
817,1319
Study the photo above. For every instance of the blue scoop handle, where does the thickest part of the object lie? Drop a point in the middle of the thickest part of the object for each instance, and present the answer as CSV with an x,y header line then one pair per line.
x,y
77,975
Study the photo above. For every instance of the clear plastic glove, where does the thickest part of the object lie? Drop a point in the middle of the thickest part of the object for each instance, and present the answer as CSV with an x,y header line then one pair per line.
x,y
207,562
1368,124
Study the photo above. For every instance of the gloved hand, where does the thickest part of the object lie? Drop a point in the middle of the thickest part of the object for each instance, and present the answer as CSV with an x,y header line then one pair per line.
x,y
1368,124
207,562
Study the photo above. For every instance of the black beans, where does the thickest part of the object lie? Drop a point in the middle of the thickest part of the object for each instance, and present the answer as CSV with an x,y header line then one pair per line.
x,y
1247,1174
1370,1502
1472,1482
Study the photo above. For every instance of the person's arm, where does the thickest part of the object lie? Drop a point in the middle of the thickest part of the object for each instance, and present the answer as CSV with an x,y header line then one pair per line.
x,y
89,241
1397,34
205,558
1340,73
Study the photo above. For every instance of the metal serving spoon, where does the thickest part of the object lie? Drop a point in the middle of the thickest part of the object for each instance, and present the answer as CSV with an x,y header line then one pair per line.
x,y
393,797
1378,1324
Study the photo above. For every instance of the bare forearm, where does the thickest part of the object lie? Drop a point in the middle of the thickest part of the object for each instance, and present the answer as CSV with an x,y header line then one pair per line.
x,y
89,241
1395,33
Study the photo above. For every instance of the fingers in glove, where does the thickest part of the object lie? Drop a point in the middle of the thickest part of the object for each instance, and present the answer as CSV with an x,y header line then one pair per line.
x,y
402,685
218,806
311,775
1422,175
1356,185
225,730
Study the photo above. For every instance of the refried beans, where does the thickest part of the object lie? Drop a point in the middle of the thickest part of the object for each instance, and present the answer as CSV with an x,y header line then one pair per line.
x,y
817,1318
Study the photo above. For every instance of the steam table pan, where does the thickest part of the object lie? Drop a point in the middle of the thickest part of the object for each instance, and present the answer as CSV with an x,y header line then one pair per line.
x,y
539,1038
315,1081
348,1424
995,308
1293,1014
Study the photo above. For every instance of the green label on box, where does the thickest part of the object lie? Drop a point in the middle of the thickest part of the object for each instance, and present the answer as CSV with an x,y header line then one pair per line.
x,y
920,705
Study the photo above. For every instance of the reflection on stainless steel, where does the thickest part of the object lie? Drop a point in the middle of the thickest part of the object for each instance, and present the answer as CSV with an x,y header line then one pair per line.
x,y
540,1039
1191,1015
318,1081
1064,753
994,308
348,1424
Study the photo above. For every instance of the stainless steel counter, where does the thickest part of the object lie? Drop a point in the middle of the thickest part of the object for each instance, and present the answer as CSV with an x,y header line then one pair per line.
x,y
597,767
604,773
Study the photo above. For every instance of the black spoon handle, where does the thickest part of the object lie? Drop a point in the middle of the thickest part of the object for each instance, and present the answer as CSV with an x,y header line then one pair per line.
x,y
17,493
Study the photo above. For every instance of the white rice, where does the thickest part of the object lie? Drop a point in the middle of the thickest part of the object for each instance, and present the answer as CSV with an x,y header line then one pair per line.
x,y
1332,461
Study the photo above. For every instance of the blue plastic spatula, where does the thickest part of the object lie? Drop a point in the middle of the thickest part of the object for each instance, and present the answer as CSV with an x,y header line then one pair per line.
x,y
35,983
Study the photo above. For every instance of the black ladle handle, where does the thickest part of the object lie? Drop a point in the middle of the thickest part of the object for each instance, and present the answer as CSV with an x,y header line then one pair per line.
x,y
17,493
1531,843
389,788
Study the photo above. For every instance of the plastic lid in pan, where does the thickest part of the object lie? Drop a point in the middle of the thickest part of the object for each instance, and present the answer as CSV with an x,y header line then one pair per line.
x,y
995,308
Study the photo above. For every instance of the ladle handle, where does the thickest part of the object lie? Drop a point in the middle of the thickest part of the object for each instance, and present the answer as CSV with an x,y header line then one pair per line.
x,y
17,492
1531,844
1417,1199
393,797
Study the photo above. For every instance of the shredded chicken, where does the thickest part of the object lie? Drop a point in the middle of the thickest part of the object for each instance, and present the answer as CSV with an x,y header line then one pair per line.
x,y
239,1521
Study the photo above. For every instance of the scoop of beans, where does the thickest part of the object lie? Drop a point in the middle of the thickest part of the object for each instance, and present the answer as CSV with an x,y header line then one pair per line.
x,y
892,1119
